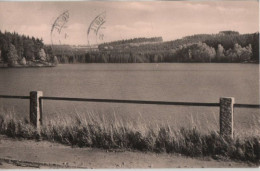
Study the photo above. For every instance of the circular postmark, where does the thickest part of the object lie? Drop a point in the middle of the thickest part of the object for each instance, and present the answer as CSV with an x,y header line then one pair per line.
x,y
58,29
95,34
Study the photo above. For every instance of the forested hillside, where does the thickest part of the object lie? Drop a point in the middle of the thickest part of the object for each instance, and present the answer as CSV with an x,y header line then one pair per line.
x,y
129,43
226,46
21,50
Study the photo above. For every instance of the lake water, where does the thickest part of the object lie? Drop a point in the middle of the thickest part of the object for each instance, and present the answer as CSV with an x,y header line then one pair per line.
x,y
165,82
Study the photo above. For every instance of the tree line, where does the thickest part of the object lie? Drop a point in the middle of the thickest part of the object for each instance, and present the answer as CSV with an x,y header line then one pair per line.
x,y
128,41
226,46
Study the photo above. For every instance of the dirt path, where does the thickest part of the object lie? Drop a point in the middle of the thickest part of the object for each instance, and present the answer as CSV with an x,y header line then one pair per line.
x,y
43,154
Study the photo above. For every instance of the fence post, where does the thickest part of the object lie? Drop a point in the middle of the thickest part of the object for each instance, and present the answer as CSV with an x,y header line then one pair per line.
x,y
35,109
226,116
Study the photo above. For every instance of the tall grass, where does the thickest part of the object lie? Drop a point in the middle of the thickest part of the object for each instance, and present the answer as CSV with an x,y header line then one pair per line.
x,y
92,130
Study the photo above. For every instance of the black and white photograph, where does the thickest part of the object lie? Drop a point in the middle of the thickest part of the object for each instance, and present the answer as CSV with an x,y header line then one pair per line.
x,y
129,84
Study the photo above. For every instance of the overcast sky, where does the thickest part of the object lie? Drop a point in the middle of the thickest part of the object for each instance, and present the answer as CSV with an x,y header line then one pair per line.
x,y
169,19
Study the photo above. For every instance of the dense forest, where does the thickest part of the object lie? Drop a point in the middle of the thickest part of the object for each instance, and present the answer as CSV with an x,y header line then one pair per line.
x,y
21,50
226,46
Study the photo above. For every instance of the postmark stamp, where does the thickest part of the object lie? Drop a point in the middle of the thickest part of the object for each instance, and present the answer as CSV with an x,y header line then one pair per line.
x,y
58,29
95,30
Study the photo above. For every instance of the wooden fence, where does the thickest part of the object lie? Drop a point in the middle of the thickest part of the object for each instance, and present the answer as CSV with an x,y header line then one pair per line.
x,y
226,105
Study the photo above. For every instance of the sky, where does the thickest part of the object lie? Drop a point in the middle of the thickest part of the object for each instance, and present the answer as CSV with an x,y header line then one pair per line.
x,y
123,20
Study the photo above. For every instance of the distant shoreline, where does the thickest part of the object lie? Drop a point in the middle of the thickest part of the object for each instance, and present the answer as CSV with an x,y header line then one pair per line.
x,y
53,65
28,65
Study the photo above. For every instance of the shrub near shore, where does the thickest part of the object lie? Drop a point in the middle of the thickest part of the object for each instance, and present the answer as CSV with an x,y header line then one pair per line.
x,y
95,131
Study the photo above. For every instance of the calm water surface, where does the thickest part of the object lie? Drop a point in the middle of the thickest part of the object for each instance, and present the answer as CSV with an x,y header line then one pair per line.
x,y
166,82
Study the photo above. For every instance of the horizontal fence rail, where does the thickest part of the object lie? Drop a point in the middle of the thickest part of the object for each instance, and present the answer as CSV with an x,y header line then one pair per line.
x,y
246,105
131,101
14,97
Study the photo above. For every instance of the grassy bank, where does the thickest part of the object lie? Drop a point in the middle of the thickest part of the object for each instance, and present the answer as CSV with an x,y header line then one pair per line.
x,y
96,131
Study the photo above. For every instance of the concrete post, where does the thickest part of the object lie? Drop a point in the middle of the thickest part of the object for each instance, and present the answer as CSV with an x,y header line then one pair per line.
x,y
226,116
36,108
